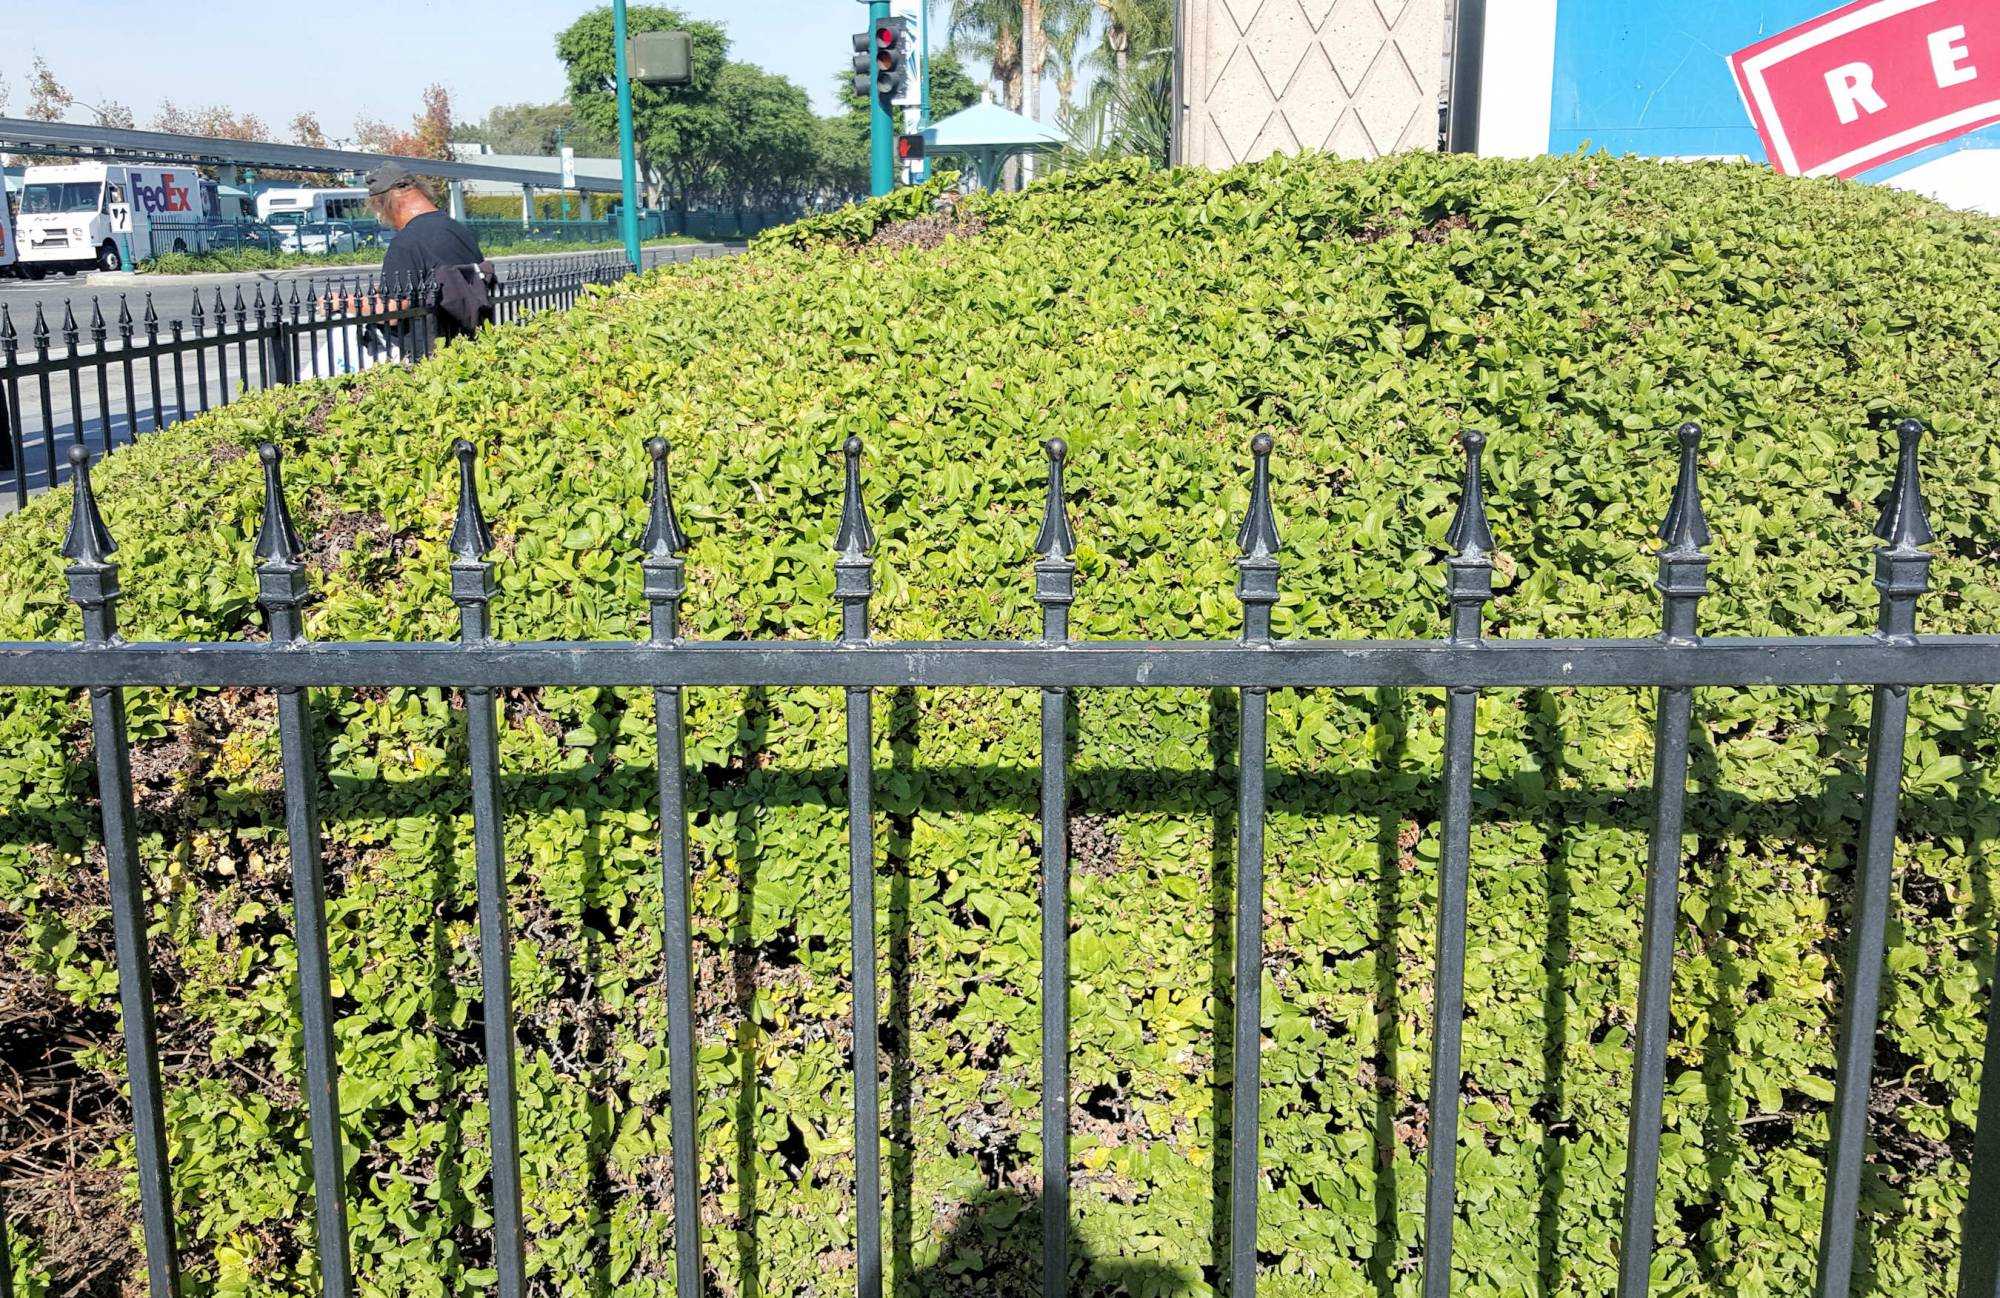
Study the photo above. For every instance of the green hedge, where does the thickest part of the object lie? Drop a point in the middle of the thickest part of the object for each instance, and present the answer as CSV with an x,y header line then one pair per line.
x,y
1578,308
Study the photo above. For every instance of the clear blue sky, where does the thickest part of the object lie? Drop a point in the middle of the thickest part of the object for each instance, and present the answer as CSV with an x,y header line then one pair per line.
x,y
346,58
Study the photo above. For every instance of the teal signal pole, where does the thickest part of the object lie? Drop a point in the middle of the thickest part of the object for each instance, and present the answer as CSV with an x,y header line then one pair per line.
x,y
881,131
628,168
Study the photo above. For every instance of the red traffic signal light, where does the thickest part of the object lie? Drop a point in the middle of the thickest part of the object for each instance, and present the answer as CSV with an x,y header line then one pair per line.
x,y
891,61
910,147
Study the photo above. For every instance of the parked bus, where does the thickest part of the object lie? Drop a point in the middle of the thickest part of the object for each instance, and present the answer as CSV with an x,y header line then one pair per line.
x,y
96,215
306,206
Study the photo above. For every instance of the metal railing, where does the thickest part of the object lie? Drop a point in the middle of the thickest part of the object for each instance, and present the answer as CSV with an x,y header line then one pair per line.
x,y
108,381
1890,660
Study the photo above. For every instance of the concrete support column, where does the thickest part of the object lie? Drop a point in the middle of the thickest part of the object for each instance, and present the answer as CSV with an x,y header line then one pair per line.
x,y
456,200
1358,78
527,205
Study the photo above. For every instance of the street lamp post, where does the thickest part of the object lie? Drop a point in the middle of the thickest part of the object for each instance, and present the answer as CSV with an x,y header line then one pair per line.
x,y
881,130
627,166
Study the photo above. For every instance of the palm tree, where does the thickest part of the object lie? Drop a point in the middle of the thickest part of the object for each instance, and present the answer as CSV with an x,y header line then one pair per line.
x,y
991,30
1065,24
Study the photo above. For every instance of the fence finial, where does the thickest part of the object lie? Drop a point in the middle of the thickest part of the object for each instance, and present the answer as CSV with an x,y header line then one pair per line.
x,y
856,537
1469,534
88,543
7,334
69,320
1905,524
471,539
97,327
1056,542
196,314
124,317
1258,537
664,538
151,317
40,331
278,543
1685,529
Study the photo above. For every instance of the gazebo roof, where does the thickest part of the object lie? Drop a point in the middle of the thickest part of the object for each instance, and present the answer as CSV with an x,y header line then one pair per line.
x,y
989,126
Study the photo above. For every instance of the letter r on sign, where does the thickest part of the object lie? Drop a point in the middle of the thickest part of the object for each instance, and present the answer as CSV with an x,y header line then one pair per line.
x,y
1948,57
1852,86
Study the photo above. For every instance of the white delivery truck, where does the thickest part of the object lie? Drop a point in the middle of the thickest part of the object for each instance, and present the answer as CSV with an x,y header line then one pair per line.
x,y
106,215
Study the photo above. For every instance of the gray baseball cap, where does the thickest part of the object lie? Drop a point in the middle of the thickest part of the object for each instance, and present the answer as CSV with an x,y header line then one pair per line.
x,y
388,176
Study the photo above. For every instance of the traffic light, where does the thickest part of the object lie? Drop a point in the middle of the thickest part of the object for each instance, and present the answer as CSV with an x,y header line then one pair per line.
x,y
881,59
892,57
864,63
910,148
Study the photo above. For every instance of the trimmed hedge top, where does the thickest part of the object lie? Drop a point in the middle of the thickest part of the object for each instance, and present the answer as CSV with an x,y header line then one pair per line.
x,y
1575,309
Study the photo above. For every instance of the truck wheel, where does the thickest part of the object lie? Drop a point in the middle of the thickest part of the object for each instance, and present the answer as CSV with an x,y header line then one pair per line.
x,y
108,258
34,272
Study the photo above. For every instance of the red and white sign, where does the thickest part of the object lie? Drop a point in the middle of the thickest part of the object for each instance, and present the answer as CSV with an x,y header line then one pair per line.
x,y
1872,82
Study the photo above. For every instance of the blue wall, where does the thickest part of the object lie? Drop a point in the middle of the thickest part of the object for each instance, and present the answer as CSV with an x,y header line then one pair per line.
x,y
1653,78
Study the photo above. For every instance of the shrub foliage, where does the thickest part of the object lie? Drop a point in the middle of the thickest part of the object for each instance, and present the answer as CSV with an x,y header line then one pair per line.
x,y
1577,308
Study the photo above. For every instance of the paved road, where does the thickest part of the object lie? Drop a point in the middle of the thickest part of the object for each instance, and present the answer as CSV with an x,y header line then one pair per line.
x,y
173,295
207,376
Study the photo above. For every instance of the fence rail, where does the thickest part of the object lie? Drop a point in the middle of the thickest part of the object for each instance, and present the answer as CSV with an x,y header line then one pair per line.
x,y
1891,659
107,380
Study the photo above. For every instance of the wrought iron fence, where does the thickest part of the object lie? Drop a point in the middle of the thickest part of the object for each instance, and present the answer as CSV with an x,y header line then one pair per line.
x,y
109,380
1891,660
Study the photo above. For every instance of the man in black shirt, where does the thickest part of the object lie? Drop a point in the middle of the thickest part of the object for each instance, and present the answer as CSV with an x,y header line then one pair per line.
x,y
429,246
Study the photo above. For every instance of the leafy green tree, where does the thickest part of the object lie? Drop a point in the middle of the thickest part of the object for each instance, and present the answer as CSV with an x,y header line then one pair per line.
x,y
773,140
677,130
952,88
531,128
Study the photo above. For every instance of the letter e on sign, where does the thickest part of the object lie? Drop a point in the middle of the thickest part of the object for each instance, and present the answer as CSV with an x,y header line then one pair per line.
x,y
1871,82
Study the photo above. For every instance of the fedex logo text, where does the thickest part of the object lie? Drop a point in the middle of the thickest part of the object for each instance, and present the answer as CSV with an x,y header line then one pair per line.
x,y
171,194
1872,82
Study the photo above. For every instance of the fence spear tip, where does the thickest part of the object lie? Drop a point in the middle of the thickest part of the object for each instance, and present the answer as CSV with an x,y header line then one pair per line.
x,y
1469,533
1905,522
1685,530
87,543
471,539
1056,542
278,543
1258,538
664,538
856,536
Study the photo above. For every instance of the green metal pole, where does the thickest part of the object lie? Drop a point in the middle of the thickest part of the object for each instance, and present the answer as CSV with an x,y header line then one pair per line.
x,y
881,131
627,166
924,88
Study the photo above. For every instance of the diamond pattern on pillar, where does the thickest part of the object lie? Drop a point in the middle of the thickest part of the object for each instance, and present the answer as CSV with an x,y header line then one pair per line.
x,y
1316,11
1276,137
1240,105
1314,100
1388,99
1352,40
1279,42
1244,12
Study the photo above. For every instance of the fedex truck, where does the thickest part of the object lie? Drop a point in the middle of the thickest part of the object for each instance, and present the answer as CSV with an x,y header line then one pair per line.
x,y
105,215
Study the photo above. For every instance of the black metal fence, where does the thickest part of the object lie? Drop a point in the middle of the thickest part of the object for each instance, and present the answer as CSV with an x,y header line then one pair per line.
x,y
105,381
1890,660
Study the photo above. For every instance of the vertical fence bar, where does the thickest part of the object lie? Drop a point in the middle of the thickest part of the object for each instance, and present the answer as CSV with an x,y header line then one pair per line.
x,y
10,406
72,345
98,333
854,583
281,582
1257,589
93,587
1902,573
1468,585
1683,581
180,373
221,317
472,592
1055,590
150,319
40,334
242,339
199,319
125,365
1979,1271
663,567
